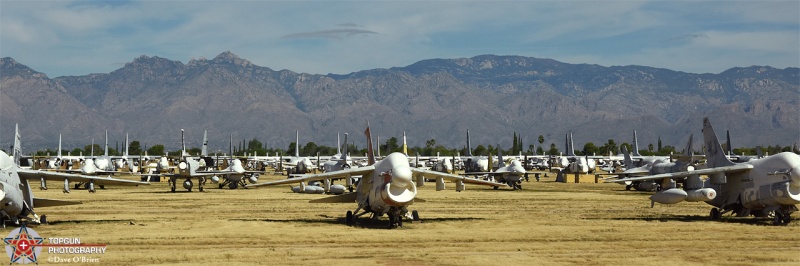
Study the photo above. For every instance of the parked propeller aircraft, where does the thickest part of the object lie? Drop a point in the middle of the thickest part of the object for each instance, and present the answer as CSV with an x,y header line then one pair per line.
x,y
17,197
765,187
387,186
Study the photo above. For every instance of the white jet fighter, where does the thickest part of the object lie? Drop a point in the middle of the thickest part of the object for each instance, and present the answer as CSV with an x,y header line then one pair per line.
x,y
16,196
765,187
387,186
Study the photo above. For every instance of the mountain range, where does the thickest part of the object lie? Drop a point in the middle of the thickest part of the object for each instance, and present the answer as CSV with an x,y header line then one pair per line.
x,y
152,98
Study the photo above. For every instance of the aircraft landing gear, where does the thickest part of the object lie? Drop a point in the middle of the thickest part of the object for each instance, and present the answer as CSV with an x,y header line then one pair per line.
x,y
781,218
715,214
349,219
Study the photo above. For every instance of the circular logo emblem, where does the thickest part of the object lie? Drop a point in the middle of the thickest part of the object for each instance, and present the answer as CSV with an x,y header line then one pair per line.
x,y
22,245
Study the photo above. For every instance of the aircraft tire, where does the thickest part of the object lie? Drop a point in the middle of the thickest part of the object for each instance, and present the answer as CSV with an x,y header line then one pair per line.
x,y
43,219
787,219
221,185
348,219
201,189
496,187
172,189
715,214
415,215
627,187
778,219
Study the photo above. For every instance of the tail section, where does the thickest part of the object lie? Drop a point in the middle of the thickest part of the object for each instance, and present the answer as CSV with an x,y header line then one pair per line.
x,y
688,151
728,143
344,154
105,149
405,147
571,149
183,144
378,143
715,155
59,146
230,146
469,148
125,153
339,144
17,149
296,143
635,145
370,151
627,157
500,161
204,149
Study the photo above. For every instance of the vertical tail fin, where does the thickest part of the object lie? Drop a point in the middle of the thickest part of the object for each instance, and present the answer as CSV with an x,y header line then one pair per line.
x,y
91,153
759,152
204,149
627,157
344,154
183,144
688,151
17,149
715,156
296,143
500,161
635,145
728,143
370,152
571,150
339,144
378,143
230,147
105,149
125,153
405,147
59,146
469,148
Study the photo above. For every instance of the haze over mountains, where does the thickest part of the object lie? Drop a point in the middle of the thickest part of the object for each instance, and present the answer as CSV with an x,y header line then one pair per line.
x,y
152,98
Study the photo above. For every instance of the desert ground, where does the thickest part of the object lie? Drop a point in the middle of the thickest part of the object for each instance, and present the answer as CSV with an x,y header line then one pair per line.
x,y
546,223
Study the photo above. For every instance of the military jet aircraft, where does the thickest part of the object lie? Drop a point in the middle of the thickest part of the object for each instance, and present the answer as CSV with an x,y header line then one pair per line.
x,y
387,186
765,187
17,196
511,174
660,166
474,163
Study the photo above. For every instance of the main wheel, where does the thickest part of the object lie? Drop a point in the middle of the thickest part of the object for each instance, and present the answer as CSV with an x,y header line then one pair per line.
x,y
172,189
787,219
778,219
496,187
349,219
627,187
415,215
43,219
715,214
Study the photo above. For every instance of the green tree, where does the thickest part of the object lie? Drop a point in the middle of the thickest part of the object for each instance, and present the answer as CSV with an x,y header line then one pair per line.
x,y
430,143
480,151
157,149
553,149
135,148
589,148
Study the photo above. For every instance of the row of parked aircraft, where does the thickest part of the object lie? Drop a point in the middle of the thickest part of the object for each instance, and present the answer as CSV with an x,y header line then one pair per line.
x,y
768,186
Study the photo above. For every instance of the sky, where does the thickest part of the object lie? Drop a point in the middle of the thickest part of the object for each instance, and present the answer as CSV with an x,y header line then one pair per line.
x,y
62,38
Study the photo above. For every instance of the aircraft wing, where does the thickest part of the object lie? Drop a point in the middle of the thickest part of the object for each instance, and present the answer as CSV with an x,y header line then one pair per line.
x,y
716,170
468,180
318,177
482,173
40,202
55,176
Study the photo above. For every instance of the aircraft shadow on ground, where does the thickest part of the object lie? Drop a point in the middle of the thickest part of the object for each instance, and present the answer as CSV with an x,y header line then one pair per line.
x,y
695,218
131,222
367,223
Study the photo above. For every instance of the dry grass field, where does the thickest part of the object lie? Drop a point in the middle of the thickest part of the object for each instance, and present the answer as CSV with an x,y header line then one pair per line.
x,y
546,223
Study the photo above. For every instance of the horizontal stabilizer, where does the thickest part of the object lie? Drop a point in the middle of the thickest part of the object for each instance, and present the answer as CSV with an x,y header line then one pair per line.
x,y
39,202
344,198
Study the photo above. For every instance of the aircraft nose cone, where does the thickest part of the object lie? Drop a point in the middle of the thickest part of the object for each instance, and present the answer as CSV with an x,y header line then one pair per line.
x,y
2,192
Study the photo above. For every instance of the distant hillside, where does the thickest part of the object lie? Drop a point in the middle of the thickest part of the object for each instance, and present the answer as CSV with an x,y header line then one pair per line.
x,y
152,98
